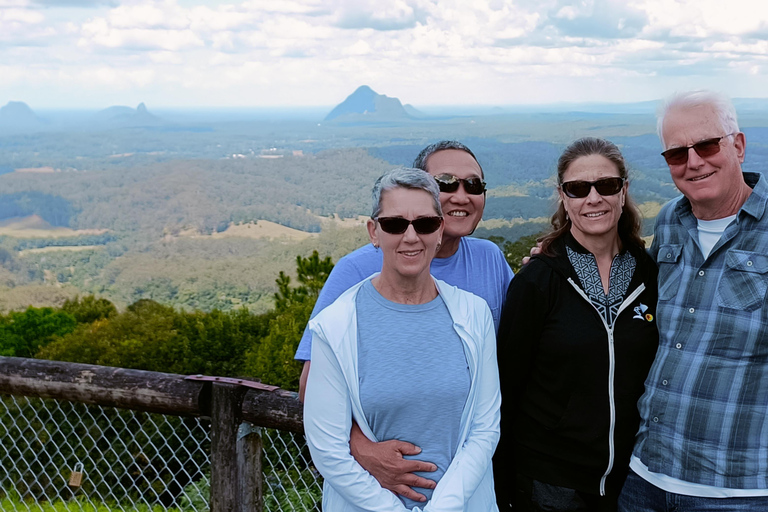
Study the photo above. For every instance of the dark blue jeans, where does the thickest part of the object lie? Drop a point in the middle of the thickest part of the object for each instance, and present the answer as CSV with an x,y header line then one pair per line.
x,y
640,496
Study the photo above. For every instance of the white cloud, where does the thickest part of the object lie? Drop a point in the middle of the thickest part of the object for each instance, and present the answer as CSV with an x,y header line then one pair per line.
x,y
424,51
99,33
26,16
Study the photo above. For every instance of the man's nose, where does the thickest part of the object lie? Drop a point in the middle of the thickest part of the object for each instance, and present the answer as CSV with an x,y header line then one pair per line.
x,y
694,160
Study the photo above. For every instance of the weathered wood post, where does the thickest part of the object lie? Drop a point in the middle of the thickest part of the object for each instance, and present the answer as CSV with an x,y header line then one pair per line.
x,y
250,473
226,404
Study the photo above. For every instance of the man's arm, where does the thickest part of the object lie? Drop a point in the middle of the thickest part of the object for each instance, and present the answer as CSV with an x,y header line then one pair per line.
x,y
303,380
385,462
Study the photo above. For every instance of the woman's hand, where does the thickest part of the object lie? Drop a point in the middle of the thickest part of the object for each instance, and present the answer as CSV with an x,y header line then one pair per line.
x,y
385,462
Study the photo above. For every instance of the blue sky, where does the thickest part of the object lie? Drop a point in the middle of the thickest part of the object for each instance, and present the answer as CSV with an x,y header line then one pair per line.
x,y
195,53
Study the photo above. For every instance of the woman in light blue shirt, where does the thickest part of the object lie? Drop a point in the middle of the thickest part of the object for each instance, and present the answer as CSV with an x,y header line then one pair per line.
x,y
406,357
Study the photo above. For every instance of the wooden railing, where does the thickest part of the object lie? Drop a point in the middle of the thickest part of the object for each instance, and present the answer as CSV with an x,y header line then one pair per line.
x,y
236,473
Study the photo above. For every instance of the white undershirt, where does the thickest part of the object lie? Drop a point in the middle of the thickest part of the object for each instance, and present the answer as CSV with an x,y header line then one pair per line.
x,y
669,484
710,232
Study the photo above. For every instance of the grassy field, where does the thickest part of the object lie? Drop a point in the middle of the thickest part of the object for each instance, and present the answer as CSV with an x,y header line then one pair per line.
x,y
35,227
9,504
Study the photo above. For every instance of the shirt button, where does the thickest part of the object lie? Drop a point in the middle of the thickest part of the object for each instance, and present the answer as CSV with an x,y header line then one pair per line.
x,y
664,382
655,419
679,345
669,255
701,272
749,263
691,310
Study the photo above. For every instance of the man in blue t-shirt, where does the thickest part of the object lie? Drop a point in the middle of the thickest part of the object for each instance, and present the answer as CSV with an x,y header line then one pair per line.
x,y
472,264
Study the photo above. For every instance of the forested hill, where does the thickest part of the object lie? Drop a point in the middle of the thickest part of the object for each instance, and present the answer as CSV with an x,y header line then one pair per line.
x,y
180,213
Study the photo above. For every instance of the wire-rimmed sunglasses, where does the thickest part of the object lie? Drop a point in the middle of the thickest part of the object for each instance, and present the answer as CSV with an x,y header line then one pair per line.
x,y
704,148
450,183
604,187
398,225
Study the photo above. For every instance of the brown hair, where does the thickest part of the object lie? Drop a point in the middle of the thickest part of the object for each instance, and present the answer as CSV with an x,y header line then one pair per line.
x,y
630,222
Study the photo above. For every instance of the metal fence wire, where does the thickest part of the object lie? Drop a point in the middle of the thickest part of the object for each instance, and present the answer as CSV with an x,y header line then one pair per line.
x,y
130,461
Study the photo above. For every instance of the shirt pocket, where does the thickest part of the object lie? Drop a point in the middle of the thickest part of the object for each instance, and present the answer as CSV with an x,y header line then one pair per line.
x,y
670,269
744,281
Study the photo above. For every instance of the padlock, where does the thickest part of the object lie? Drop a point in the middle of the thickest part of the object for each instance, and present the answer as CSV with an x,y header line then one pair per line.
x,y
76,478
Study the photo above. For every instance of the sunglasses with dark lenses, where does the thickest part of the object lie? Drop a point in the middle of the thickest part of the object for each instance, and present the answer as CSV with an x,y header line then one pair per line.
x,y
604,187
398,225
450,183
705,148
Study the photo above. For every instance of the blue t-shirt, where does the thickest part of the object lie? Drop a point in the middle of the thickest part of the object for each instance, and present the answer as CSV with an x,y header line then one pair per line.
x,y
477,266
418,398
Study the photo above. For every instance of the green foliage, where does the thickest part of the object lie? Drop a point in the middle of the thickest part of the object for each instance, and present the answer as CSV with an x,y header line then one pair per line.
x,y
197,495
515,251
311,273
286,496
14,502
282,478
89,309
150,336
128,456
74,241
156,337
22,334
272,360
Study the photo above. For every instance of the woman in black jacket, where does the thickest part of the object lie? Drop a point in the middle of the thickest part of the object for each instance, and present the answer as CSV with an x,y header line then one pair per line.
x,y
577,337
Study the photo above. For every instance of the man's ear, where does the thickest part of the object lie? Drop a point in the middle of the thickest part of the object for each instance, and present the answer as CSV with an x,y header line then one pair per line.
x,y
740,143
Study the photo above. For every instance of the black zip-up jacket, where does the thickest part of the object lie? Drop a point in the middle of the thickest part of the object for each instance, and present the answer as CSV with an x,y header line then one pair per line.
x,y
570,382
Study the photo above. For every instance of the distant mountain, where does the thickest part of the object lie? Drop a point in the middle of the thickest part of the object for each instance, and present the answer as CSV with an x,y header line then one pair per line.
x,y
126,116
18,115
365,105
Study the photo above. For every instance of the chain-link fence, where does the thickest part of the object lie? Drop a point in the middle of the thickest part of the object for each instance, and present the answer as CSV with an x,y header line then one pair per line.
x,y
130,461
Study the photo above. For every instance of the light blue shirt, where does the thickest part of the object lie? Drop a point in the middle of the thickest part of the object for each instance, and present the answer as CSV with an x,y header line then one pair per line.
x,y
414,377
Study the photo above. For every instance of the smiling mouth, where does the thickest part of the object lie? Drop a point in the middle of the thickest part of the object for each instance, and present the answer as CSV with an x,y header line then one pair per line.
x,y
458,213
594,215
697,178
410,253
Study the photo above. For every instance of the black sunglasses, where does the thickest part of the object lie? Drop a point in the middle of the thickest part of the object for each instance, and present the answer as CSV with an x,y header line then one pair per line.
x,y
705,148
450,183
398,225
604,187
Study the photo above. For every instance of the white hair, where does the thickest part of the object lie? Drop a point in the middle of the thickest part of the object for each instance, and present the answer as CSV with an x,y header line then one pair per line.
x,y
721,103
405,177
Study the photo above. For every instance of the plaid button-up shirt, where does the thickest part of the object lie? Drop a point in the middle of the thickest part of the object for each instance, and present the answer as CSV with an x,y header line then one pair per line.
x,y
705,408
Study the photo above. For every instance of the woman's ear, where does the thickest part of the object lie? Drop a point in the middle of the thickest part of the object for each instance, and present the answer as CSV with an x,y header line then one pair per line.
x,y
625,191
371,227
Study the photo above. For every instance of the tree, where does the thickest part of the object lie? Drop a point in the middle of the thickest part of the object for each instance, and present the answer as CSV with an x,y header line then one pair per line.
x,y
311,273
22,334
515,251
272,359
89,309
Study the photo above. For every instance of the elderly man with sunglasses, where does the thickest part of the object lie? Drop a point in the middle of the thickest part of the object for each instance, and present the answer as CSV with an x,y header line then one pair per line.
x,y
703,438
471,264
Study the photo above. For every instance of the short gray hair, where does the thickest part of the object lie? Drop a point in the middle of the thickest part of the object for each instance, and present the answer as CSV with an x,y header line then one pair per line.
x,y
404,177
421,159
721,103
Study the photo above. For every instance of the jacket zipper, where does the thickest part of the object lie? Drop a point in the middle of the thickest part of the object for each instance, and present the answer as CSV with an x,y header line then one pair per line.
x,y
611,371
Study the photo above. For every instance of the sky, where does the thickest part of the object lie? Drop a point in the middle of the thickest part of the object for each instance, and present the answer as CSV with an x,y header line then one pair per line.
x,y
278,53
